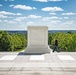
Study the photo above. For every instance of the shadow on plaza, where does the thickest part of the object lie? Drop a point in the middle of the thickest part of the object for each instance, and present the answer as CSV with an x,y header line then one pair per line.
x,y
22,53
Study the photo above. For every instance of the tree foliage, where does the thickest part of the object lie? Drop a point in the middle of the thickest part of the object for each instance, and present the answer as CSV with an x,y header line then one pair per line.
x,y
66,41
12,42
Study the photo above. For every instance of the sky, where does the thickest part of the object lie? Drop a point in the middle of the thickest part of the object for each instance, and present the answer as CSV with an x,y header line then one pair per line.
x,y
56,14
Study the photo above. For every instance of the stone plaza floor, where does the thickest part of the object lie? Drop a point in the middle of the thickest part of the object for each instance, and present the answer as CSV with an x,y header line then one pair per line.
x,y
14,63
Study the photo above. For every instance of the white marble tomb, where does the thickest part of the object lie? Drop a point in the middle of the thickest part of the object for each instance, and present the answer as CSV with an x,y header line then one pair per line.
x,y
37,39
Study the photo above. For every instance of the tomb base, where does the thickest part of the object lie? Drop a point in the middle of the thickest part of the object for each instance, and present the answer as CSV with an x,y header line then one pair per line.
x,y
37,49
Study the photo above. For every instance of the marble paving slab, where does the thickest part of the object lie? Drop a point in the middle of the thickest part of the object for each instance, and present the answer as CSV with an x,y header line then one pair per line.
x,y
37,57
8,57
65,57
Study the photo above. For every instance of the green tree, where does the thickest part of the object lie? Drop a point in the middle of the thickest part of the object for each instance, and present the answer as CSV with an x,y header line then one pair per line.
x,y
23,39
66,41
6,42
17,41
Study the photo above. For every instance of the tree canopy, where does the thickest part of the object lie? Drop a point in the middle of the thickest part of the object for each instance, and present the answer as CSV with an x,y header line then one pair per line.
x,y
12,42
67,41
